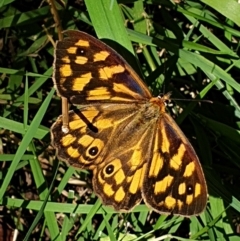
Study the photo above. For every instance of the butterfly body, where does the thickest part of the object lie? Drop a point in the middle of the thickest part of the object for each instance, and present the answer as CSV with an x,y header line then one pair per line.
x,y
123,134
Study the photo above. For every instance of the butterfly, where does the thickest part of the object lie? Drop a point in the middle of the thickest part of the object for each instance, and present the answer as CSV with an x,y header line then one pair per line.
x,y
122,133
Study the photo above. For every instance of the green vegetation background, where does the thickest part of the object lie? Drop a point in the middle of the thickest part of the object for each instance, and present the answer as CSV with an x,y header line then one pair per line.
x,y
190,48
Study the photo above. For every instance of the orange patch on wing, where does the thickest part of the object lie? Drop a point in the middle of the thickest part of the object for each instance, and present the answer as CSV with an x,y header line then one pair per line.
x,y
189,169
157,160
104,123
101,56
65,70
81,60
85,140
182,188
65,59
165,144
68,139
73,152
137,180
80,82
161,186
82,43
119,176
176,160
76,124
197,190
100,93
180,204
107,189
170,202
119,195
72,50
189,199
107,73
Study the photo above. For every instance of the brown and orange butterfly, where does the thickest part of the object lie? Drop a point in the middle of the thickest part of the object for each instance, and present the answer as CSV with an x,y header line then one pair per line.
x,y
124,135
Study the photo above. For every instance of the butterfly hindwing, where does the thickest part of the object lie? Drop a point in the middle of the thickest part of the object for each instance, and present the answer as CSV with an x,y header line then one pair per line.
x,y
84,145
119,178
119,164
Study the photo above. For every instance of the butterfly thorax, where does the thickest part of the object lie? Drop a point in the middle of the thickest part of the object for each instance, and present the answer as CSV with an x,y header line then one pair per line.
x,y
160,102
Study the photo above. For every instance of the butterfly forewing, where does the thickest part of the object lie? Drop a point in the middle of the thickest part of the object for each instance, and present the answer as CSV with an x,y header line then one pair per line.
x,y
134,148
88,71
174,180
